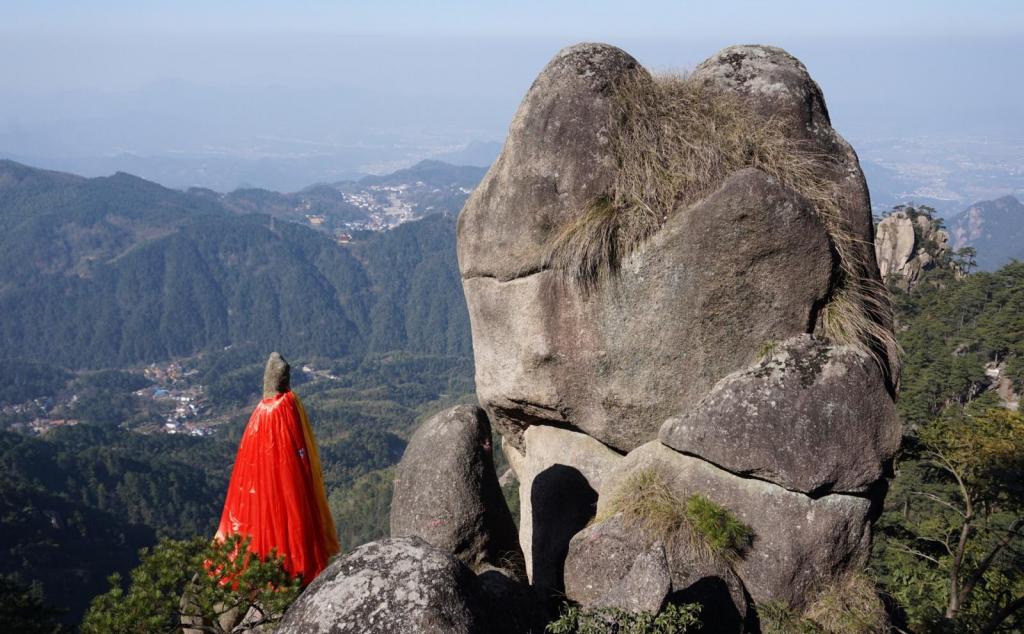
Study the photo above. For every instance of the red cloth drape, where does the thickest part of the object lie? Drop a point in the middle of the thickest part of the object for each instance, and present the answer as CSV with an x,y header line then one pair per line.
x,y
276,493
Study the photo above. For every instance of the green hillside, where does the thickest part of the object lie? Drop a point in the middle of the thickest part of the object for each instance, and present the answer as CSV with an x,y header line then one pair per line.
x,y
112,271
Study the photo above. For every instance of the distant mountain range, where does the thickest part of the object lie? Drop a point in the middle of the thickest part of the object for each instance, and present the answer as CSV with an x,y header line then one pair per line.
x,y
102,272
995,228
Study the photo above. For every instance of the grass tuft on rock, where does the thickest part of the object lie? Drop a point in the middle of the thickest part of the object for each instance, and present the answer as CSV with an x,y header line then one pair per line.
x,y
647,500
676,141
848,606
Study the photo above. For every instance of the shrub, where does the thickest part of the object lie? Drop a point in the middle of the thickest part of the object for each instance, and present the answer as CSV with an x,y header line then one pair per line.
x,y
174,582
673,619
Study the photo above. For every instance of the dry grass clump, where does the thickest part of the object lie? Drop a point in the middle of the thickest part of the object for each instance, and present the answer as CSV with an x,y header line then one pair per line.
x,y
851,606
676,141
848,606
647,501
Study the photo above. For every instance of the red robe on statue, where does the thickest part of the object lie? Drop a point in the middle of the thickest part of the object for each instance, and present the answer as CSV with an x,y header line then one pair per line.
x,y
276,494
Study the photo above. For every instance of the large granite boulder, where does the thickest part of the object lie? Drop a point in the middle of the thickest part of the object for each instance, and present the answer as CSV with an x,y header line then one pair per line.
x,y
894,244
779,86
748,264
908,243
390,586
559,478
611,363
799,543
406,586
809,417
447,493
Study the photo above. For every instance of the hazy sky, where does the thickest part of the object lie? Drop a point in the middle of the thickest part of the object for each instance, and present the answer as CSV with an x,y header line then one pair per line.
x,y
81,78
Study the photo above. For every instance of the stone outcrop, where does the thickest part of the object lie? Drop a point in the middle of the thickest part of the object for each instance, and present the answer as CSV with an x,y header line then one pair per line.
x,y
613,365
390,586
808,416
910,242
446,492
798,540
612,564
724,346
407,586
559,480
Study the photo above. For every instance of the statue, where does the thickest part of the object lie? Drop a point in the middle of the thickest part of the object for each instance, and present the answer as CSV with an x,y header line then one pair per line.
x,y
276,493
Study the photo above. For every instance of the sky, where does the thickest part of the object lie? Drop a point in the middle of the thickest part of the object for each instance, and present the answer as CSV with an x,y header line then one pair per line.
x,y
377,84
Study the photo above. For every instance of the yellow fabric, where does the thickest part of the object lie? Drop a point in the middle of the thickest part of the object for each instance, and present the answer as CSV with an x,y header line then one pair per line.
x,y
331,534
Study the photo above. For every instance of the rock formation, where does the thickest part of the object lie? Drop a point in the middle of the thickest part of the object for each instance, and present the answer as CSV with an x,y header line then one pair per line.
x,y
446,492
740,339
402,586
670,275
908,243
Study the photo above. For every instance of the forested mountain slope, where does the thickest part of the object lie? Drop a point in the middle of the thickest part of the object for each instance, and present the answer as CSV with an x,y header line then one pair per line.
x,y
111,271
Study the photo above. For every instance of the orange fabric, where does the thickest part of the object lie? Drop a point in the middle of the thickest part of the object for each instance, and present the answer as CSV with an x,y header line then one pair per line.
x,y
276,492
318,481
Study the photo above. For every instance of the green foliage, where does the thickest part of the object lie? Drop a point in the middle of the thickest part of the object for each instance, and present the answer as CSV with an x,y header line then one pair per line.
x,y
198,580
949,545
777,617
110,272
22,380
767,349
672,619
950,329
720,529
361,509
22,609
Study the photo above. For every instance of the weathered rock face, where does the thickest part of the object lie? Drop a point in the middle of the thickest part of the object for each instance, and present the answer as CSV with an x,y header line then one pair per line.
x,y
388,587
558,484
614,364
909,242
799,541
809,417
779,86
556,158
614,564
611,565
446,492
894,244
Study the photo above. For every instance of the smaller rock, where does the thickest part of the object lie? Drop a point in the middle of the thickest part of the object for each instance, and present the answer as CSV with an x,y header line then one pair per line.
x,y
799,543
276,376
391,586
809,417
610,565
447,493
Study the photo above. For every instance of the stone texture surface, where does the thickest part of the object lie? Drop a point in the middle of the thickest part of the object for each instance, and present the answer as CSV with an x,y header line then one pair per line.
x,y
799,541
276,376
908,246
611,565
447,493
779,86
617,363
561,475
615,564
392,586
894,244
809,417
555,159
